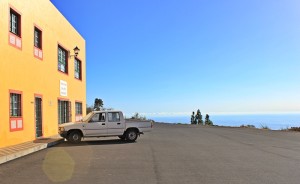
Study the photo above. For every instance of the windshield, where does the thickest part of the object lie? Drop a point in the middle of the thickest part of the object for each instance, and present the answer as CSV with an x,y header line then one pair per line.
x,y
87,117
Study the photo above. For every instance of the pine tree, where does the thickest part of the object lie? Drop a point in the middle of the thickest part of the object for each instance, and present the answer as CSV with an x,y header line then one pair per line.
x,y
193,118
199,118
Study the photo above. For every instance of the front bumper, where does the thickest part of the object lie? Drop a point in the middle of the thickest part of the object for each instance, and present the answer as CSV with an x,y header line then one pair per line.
x,y
62,132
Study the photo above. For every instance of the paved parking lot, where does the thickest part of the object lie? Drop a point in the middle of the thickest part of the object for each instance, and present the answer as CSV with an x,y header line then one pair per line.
x,y
170,154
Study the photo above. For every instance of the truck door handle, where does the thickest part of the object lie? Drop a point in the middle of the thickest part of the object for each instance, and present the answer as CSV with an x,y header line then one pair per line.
x,y
119,123
103,123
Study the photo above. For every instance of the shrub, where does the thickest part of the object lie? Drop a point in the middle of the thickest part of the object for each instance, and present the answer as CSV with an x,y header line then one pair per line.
x,y
208,121
295,129
265,127
247,126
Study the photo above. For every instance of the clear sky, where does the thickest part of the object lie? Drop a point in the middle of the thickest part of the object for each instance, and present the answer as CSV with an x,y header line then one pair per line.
x,y
175,56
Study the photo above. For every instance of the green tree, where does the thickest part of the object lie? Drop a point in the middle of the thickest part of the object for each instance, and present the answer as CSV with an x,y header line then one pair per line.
x,y
193,118
98,104
89,109
208,121
199,118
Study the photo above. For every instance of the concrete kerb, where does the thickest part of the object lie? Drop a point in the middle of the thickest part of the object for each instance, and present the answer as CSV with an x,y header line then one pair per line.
x,y
12,153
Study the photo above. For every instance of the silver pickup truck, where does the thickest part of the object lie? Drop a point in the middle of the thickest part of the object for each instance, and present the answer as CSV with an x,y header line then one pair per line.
x,y
104,124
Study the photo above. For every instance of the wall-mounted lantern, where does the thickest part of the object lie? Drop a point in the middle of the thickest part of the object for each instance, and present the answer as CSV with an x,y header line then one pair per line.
x,y
76,52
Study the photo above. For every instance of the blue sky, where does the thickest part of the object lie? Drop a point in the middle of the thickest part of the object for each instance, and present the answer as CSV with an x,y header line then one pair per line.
x,y
175,56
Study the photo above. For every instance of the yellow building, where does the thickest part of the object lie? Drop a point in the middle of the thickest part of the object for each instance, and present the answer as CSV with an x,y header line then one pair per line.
x,y
42,81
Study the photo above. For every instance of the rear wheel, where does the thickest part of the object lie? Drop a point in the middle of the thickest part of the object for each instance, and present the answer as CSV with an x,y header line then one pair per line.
x,y
75,137
131,135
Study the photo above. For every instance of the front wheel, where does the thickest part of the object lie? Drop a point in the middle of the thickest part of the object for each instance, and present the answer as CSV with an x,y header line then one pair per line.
x,y
75,137
131,135
122,137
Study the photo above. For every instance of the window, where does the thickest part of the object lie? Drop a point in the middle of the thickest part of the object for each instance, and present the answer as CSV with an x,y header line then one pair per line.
x,y
37,50
95,118
37,38
99,117
77,69
14,35
64,112
78,108
102,117
15,105
15,23
15,111
62,60
113,116
78,111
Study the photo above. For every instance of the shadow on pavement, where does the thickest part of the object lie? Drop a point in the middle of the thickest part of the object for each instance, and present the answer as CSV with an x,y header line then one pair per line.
x,y
93,142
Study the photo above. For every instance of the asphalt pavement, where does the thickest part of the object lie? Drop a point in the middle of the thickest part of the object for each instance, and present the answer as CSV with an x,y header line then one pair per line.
x,y
170,154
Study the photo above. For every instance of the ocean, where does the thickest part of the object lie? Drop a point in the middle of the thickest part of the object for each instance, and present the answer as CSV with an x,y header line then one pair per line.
x,y
272,121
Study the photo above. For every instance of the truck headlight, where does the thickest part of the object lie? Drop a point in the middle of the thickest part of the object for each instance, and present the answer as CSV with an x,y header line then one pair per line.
x,y
61,129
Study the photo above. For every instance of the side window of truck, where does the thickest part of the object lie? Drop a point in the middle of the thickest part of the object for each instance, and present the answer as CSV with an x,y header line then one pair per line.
x,y
113,116
102,117
99,117
95,118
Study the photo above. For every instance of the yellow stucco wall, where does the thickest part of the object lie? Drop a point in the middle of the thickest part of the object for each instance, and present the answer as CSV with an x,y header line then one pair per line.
x,y
20,70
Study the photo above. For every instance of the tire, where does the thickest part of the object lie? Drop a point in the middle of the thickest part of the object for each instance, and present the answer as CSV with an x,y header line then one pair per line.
x,y
122,137
75,137
131,135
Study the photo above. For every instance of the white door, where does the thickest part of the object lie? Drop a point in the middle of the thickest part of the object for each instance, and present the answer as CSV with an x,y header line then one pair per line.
x,y
96,126
114,124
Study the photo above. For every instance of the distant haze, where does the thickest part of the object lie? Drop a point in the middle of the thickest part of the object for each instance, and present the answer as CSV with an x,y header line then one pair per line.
x,y
272,121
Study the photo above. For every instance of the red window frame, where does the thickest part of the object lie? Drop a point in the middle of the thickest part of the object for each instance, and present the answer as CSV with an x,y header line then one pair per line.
x,y
78,102
80,68
38,50
15,39
78,117
66,60
69,109
40,39
15,122
19,21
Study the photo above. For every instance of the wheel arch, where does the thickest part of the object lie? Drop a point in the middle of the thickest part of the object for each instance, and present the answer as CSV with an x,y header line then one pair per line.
x,y
75,130
132,128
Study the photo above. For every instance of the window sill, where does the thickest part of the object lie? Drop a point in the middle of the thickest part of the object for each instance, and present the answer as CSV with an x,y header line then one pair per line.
x,y
78,79
63,72
16,124
38,53
15,41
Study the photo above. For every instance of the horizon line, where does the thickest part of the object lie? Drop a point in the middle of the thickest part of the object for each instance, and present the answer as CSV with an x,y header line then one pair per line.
x,y
214,113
